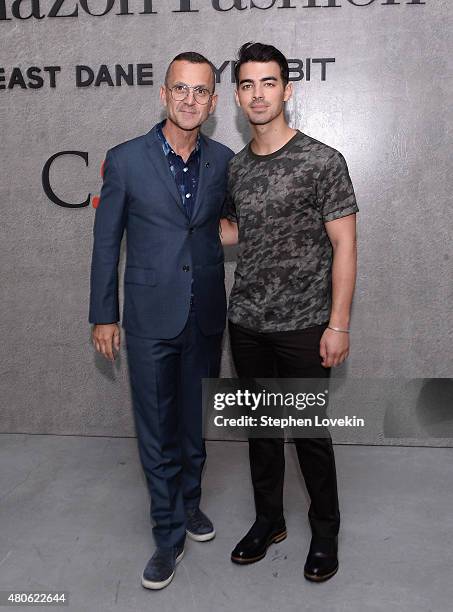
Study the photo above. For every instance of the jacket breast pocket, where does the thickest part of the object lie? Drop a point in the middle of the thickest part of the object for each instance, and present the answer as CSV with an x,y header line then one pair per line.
x,y
140,276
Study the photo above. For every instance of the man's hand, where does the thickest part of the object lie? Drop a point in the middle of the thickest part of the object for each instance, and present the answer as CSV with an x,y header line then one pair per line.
x,y
333,348
106,339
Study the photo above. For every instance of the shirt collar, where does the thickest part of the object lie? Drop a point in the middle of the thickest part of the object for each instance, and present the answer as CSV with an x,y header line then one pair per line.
x,y
165,144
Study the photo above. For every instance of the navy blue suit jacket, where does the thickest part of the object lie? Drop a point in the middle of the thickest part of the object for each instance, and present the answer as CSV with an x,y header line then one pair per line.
x,y
168,255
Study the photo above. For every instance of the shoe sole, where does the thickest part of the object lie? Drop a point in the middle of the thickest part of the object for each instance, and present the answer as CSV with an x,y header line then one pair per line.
x,y
315,578
155,586
279,537
205,537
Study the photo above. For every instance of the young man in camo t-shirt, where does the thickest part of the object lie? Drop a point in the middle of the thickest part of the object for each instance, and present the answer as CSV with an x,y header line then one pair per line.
x,y
291,207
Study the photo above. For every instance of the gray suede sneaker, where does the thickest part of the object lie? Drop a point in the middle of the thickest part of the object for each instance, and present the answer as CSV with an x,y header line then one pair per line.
x,y
160,569
198,526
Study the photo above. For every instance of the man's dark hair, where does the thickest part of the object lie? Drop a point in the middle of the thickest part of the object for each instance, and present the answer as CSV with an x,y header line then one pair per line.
x,y
194,58
257,52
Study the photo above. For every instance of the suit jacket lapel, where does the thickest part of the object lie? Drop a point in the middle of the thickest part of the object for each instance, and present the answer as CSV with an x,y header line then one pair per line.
x,y
206,172
160,164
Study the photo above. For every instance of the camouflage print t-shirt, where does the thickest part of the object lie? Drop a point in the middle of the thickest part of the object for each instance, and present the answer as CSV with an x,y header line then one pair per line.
x,y
281,202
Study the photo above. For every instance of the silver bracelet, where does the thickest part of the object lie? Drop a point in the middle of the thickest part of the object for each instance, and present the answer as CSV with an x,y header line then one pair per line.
x,y
337,329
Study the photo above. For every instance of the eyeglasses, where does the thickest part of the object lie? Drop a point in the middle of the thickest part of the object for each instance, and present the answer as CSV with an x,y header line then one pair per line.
x,y
180,92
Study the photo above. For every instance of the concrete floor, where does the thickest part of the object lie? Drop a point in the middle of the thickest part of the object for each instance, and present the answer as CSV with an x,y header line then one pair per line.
x,y
74,516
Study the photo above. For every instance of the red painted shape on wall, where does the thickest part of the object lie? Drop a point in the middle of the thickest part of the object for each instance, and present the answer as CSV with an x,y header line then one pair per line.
x,y
96,199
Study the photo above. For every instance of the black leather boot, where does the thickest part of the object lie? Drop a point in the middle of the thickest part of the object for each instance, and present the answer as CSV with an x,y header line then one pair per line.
x,y
255,543
322,560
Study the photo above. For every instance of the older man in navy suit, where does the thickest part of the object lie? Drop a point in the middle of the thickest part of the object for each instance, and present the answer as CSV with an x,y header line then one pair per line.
x,y
166,190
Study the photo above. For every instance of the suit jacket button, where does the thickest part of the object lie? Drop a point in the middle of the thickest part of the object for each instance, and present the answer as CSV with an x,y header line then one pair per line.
x,y
186,268
191,230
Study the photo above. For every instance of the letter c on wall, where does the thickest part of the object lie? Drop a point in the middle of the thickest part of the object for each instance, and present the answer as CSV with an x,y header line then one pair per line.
x,y
46,180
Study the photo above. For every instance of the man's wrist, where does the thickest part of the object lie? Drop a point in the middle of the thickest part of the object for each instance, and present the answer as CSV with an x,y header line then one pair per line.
x,y
111,323
338,329
339,324
339,321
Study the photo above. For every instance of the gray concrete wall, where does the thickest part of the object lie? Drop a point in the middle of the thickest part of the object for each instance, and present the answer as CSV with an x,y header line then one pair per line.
x,y
385,103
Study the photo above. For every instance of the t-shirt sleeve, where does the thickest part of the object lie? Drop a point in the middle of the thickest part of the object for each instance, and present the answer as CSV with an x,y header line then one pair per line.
x,y
229,209
335,193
